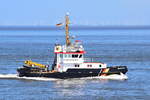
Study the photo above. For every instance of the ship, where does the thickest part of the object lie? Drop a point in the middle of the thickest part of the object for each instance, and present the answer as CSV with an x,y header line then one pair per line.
x,y
69,62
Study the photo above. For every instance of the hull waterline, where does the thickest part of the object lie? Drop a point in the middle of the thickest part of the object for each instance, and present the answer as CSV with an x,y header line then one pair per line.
x,y
72,73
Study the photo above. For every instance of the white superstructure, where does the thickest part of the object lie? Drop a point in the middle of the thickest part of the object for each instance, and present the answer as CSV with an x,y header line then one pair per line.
x,y
71,55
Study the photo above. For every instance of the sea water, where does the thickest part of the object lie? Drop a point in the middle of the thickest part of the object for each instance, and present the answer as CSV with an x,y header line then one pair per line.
x,y
114,47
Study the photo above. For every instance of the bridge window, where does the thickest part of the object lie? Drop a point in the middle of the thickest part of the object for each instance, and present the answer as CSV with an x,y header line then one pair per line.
x,y
69,55
65,55
80,56
61,56
74,55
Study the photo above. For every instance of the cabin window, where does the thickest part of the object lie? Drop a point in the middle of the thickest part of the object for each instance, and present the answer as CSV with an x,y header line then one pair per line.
x,y
89,65
77,65
100,65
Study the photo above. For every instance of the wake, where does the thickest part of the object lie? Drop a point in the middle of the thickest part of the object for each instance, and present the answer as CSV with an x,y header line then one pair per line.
x,y
111,77
15,76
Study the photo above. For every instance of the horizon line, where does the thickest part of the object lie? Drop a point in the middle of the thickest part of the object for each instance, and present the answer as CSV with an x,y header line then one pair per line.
x,y
79,27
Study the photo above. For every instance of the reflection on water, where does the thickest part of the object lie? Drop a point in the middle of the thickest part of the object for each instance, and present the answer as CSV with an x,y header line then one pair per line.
x,y
70,87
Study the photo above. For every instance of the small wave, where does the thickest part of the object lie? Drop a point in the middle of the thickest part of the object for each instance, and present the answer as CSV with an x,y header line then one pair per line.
x,y
15,76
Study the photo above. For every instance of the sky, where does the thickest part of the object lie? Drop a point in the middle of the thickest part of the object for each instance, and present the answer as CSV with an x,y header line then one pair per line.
x,y
82,12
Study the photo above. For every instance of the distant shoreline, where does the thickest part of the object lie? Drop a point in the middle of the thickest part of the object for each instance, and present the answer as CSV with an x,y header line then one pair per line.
x,y
74,27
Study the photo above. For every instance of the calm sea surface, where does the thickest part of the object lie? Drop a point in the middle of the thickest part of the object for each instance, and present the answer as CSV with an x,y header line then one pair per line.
x,y
114,47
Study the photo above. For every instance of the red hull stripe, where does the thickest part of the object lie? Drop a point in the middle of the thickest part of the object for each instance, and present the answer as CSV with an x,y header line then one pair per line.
x,y
81,52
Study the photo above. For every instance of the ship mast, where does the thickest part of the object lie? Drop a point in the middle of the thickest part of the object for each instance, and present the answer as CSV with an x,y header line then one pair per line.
x,y
67,30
